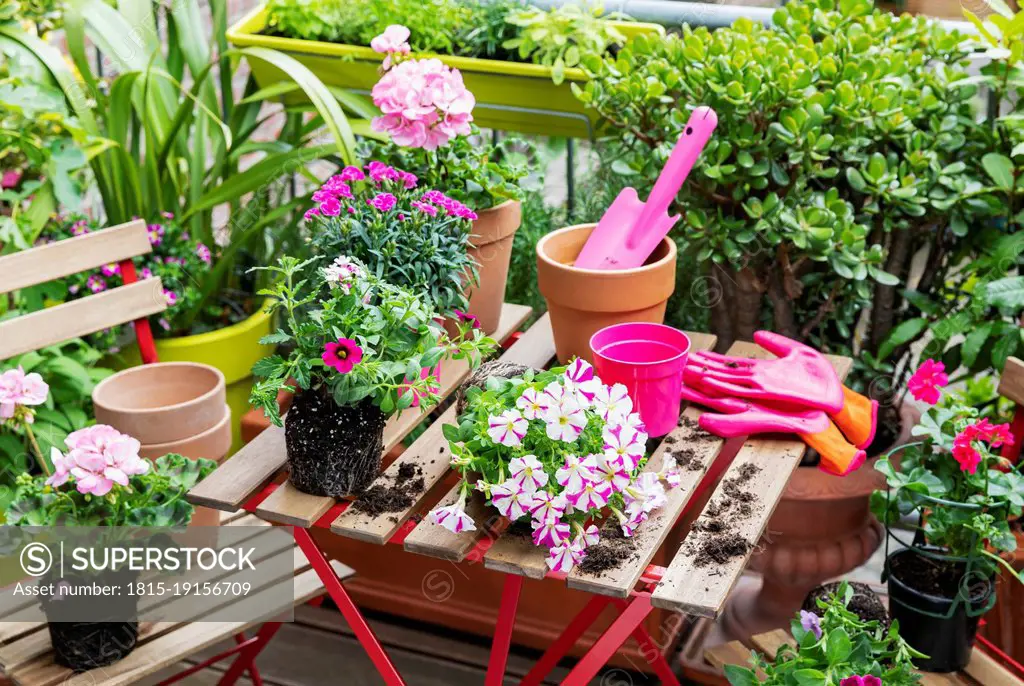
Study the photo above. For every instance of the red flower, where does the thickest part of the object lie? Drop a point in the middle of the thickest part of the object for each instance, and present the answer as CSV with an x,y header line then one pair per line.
x,y
927,380
343,355
966,454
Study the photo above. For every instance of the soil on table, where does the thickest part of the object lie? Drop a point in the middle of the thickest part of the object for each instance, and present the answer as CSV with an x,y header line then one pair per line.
x,y
397,495
686,458
714,538
333,451
934,577
864,603
614,549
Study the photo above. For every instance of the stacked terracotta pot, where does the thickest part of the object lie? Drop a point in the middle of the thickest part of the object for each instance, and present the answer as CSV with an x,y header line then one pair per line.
x,y
493,235
171,407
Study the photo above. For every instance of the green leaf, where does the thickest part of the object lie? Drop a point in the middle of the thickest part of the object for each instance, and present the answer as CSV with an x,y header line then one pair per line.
x,y
999,168
741,676
973,343
838,645
1006,293
900,335
809,677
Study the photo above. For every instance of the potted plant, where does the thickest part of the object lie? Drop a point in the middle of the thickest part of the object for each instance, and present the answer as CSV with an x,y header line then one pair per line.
x,y
964,495
101,481
557,451
360,349
518,60
834,647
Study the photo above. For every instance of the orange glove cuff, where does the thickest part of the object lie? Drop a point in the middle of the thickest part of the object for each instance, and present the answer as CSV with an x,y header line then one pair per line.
x,y
858,419
838,455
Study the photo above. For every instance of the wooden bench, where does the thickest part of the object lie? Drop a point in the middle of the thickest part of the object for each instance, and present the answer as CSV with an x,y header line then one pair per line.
x,y
982,669
26,656
248,479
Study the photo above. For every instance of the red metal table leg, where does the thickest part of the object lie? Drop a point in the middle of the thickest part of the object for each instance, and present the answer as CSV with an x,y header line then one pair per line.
x,y
651,652
613,637
503,630
246,660
348,608
566,640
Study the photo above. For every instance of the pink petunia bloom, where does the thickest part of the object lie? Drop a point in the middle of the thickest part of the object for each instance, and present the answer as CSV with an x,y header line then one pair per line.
x,y
550,532
593,496
613,403
548,506
575,473
612,472
670,472
511,500
578,371
565,421
625,444
589,536
528,472
384,202
924,385
646,493
507,428
563,558
453,518
342,355
530,404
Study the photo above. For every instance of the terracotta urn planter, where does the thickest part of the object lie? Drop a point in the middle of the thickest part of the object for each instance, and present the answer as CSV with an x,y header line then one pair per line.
x,y
494,232
170,407
822,528
583,301
1004,623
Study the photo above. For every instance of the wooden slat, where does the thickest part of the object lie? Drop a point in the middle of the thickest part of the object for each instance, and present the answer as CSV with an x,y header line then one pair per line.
x,y
81,317
769,643
702,590
1011,381
171,647
241,475
731,653
534,349
985,670
289,505
63,258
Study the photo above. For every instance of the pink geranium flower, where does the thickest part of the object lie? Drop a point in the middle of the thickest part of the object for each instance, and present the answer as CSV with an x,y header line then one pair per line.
x,y
98,458
342,355
394,40
924,385
18,389
424,104
964,450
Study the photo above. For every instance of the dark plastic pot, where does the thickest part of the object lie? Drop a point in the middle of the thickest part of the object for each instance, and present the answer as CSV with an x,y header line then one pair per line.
x,y
931,625
333,451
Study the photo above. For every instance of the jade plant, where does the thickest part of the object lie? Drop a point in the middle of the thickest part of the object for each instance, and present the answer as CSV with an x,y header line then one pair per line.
x,y
834,647
559,450
410,236
847,144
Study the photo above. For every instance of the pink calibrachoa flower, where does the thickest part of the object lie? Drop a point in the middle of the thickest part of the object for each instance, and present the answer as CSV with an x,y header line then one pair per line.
x,y
424,104
576,472
96,283
111,269
530,404
528,472
593,495
19,391
550,532
511,499
507,428
342,355
613,403
924,385
471,319
564,557
384,202
624,444
565,421
866,680
548,507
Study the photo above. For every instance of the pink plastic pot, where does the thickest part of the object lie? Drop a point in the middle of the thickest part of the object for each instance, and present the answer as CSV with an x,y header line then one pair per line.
x,y
424,373
648,359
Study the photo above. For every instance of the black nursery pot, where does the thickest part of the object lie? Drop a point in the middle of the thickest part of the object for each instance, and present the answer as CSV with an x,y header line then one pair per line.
x,y
924,617
333,451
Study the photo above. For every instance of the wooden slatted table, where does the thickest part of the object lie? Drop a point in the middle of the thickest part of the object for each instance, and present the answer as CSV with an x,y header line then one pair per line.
x,y
633,587
26,656
982,669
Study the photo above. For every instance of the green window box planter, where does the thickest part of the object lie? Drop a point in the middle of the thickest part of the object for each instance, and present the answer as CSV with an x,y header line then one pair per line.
x,y
512,96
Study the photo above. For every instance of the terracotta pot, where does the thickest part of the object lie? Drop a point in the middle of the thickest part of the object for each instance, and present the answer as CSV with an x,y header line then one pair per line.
x,y
493,235
821,529
1004,623
583,301
163,402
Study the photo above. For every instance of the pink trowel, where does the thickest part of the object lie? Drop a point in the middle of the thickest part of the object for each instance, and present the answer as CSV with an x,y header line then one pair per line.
x,y
630,230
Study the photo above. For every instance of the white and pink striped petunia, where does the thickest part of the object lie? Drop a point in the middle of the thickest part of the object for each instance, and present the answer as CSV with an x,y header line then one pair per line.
x,y
575,473
587,537
552,395
613,403
550,533
511,500
453,518
566,421
528,472
532,403
611,471
625,444
548,506
507,428
670,472
646,492
563,558
593,496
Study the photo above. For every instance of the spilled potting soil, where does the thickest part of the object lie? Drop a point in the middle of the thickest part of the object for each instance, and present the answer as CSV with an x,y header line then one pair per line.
x,y
396,496
613,549
714,539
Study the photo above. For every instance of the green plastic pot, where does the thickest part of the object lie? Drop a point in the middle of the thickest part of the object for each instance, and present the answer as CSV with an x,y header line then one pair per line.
x,y
233,350
511,96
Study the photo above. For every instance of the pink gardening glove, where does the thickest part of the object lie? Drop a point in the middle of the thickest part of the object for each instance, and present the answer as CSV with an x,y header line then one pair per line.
x,y
745,418
801,376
